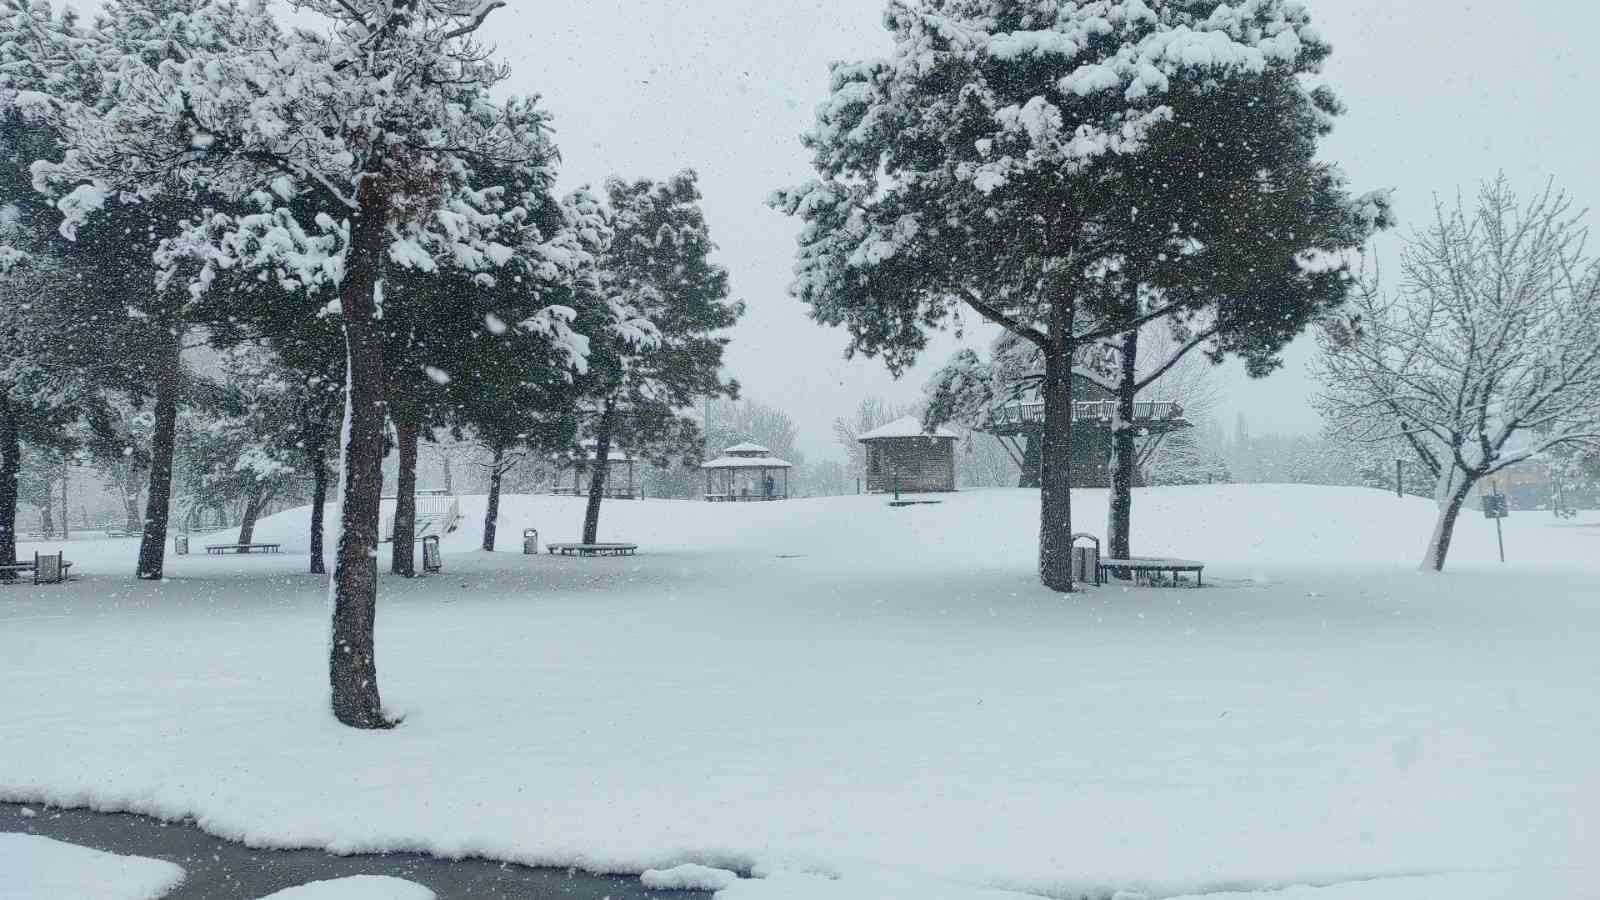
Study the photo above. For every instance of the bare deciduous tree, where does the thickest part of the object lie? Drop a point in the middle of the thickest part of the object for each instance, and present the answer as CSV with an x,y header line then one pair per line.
x,y
1487,354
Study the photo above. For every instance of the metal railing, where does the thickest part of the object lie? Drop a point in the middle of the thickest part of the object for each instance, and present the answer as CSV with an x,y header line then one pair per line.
x,y
1031,412
438,513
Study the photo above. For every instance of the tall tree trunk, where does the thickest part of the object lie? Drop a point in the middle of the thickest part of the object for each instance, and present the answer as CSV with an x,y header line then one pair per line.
x,y
1032,460
491,517
10,471
252,511
132,521
352,660
1055,489
153,546
319,499
1451,497
1124,462
597,476
403,561
66,514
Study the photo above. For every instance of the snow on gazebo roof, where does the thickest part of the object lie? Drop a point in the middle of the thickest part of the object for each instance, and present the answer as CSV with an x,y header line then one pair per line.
x,y
745,449
590,447
747,462
905,427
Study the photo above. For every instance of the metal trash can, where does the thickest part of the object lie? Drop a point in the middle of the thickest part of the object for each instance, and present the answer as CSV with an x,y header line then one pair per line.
x,y
530,541
1086,559
180,544
432,560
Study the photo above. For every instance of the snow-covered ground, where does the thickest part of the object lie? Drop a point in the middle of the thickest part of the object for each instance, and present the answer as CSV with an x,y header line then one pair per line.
x,y
356,887
857,701
38,868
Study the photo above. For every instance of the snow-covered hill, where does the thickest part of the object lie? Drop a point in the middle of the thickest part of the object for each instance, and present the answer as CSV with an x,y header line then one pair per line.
x,y
1235,527
854,701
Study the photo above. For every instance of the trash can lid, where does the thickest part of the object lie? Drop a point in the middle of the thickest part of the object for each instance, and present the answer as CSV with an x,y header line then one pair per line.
x,y
529,532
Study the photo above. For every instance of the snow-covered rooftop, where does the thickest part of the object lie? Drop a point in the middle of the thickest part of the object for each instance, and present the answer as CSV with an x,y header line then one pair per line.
x,y
904,427
746,449
747,462
615,454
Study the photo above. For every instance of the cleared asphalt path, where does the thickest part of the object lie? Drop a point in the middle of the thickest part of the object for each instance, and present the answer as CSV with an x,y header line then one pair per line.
x,y
222,870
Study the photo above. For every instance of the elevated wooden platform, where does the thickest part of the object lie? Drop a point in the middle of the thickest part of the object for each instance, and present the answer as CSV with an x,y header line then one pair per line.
x,y
1021,418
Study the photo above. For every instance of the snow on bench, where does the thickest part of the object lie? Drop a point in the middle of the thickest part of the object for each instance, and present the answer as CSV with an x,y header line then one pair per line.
x,y
1154,564
243,548
567,549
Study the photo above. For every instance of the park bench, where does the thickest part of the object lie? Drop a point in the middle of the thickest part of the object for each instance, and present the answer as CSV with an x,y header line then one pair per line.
x,y
243,548
46,568
1146,566
567,549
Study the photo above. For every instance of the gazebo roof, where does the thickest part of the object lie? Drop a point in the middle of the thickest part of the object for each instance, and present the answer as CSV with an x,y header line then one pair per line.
x,y
905,427
616,454
747,462
747,449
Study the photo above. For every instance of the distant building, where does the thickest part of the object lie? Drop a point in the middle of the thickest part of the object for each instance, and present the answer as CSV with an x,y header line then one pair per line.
x,y
902,453
1531,484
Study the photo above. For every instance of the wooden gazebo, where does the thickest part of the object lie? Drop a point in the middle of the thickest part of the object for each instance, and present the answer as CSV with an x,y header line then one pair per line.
x,y
747,472
619,474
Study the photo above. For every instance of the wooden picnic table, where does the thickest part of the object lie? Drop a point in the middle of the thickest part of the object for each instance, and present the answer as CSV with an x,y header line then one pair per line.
x,y
244,548
1154,564
567,549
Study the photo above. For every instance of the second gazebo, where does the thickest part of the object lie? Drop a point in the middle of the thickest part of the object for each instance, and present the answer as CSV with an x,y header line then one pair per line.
x,y
747,472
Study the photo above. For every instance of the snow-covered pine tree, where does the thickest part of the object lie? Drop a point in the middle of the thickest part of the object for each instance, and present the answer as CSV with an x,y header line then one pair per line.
x,y
456,353
382,118
60,71
1009,156
502,384
81,322
243,448
658,267
1485,355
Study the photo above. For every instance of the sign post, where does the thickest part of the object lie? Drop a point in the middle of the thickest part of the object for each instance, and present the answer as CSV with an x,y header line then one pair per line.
x,y
1399,485
1494,507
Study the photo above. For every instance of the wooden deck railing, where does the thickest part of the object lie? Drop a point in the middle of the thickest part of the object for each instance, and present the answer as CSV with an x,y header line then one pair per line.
x,y
1031,412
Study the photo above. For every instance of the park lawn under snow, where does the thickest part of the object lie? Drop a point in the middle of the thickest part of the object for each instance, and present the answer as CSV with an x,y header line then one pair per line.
x,y
854,701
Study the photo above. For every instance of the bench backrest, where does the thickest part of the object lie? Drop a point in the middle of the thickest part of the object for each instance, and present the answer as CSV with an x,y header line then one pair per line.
x,y
47,568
